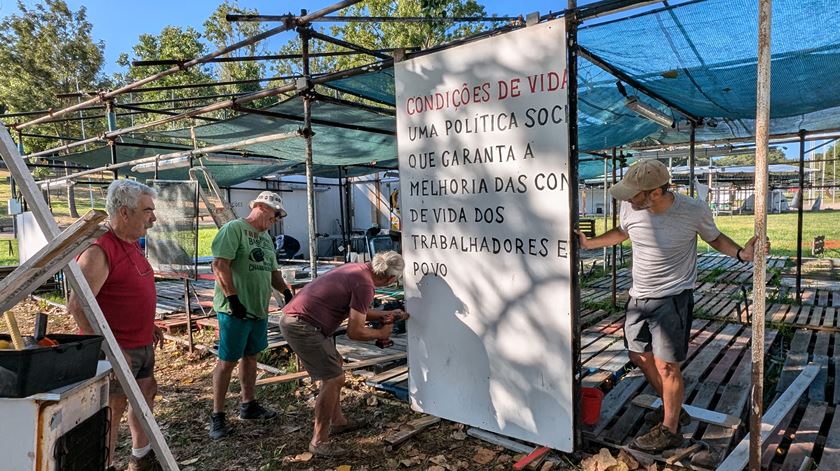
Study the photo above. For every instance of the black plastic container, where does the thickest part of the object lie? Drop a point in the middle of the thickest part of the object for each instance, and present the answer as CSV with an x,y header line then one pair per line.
x,y
32,371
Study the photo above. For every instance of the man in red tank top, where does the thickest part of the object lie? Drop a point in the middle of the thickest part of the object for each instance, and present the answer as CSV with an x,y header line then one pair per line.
x,y
124,284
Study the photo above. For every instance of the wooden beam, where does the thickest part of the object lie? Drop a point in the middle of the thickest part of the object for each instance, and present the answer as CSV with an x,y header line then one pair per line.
x,y
413,428
740,455
33,196
346,366
50,259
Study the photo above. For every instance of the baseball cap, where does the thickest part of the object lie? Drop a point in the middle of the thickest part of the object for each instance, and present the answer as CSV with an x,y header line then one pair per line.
x,y
642,176
270,199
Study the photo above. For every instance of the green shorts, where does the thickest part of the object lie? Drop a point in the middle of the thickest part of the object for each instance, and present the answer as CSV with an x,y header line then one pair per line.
x,y
241,337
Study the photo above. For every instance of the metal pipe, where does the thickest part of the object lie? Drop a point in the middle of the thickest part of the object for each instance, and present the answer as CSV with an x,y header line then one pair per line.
x,y
375,19
173,155
111,119
265,57
691,161
799,215
762,118
348,45
201,60
571,67
606,212
218,106
614,225
307,131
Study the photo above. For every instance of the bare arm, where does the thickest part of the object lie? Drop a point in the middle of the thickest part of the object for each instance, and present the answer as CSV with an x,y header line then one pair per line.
x,y
94,265
727,246
221,268
356,329
387,317
612,237
277,281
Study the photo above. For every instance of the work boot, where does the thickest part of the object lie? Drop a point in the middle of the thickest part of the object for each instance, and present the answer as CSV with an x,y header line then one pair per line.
x,y
658,440
147,463
218,426
327,450
656,416
254,411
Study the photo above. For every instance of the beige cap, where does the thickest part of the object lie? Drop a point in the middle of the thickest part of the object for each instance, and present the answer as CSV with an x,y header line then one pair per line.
x,y
270,199
642,176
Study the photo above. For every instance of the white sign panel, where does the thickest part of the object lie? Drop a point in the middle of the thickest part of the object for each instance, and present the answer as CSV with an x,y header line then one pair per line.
x,y
483,148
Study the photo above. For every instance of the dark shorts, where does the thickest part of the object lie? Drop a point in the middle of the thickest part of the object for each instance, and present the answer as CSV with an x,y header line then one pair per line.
x,y
316,351
660,325
241,337
141,361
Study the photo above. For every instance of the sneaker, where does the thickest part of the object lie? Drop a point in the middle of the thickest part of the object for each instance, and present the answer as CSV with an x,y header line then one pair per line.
x,y
254,411
656,416
658,440
147,463
327,450
218,426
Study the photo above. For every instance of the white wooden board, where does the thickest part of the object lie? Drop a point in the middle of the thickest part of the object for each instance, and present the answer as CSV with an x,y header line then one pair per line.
x,y
483,148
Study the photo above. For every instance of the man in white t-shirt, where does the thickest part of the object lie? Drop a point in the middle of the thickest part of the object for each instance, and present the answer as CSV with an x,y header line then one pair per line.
x,y
662,227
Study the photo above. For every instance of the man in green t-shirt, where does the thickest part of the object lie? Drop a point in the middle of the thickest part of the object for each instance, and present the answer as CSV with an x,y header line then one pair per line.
x,y
246,269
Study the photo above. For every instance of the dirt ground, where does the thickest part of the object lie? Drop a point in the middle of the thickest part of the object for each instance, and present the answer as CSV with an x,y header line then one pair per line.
x,y
183,408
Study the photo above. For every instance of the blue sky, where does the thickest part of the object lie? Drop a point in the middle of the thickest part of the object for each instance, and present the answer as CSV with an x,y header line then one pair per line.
x,y
119,23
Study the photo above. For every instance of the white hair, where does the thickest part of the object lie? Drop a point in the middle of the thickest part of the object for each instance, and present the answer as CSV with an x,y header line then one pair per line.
x,y
125,193
387,264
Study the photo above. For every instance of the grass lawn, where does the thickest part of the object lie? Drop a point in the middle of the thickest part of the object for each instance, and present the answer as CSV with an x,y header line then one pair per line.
x,y
781,229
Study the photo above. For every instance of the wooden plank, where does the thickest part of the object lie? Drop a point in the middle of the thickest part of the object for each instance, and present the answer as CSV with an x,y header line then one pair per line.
x,y
50,259
828,319
412,428
703,415
817,390
831,451
740,456
771,445
499,440
35,199
796,359
836,369
346,366
802,444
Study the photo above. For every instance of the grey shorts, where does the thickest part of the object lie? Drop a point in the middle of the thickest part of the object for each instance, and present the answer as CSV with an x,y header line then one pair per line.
x,y
141,361
660,325
316,351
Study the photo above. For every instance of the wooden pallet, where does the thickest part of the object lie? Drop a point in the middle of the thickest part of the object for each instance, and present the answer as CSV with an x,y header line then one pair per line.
x,y
716,376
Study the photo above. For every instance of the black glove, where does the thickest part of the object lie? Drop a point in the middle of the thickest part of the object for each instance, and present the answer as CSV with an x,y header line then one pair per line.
x,y
287,295
237,309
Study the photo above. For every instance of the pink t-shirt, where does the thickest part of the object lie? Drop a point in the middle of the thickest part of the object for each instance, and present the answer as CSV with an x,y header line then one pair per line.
x,y
326,302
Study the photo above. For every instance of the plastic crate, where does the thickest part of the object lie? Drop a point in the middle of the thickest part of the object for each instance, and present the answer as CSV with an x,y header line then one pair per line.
x,y
32,371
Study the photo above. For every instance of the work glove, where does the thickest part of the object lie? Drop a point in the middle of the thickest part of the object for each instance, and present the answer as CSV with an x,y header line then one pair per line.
x,y
287,295
237,309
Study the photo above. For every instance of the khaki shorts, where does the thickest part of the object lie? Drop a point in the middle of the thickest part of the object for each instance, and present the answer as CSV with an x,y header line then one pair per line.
x,y
141,361
316,351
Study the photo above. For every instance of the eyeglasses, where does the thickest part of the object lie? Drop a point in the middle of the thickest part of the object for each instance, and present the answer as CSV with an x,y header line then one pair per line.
x,y
278,214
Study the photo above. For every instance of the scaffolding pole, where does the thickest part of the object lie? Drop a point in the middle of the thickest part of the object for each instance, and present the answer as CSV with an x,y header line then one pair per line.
x,y
799,209
762,120
292,23
691,160
307,131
